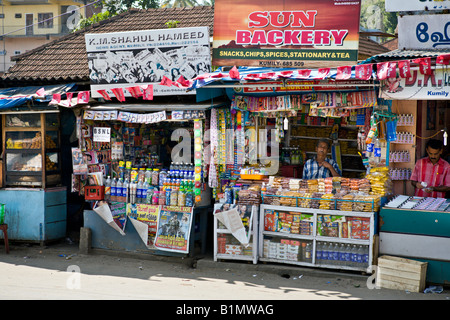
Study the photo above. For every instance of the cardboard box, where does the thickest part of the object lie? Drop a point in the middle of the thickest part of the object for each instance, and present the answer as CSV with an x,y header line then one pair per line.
x,y
401,274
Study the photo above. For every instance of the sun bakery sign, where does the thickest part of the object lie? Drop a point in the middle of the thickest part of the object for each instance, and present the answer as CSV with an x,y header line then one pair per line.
x,y
287,33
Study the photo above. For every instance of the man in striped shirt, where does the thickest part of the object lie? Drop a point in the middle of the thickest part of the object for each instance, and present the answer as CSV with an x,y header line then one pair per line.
x,y
321,166
431,175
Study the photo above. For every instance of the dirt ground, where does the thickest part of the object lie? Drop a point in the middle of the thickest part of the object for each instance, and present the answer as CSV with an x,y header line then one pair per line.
x,y
60,272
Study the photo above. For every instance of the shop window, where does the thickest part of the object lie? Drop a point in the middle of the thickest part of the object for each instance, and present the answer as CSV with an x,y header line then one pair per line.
x,y
45,20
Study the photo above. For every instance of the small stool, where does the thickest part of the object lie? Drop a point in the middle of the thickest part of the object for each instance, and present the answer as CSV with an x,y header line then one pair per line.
x,y
4,228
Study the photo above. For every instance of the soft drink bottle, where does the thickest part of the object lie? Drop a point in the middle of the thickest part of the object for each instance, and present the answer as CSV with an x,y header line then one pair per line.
x,y
119,190
125,190
108,189
113,190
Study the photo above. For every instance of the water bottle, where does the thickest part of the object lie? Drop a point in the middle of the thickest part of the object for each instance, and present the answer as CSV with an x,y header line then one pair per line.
x,y
139,192
119,190
336,250
113,190
365,258
133,192
319,251
342,261
145,186
354,256
347,255
325,253
308,252
108,189
125,190
360,256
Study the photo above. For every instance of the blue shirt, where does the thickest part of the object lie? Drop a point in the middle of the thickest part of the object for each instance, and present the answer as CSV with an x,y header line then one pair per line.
x,y
311,169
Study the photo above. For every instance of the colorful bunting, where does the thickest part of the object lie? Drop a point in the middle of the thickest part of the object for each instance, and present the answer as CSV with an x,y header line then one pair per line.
x,y
83,97
166,81
40,92
323,73
344,73
104,94
404,68
386,70
148,92
56,98
118,92
424,65
234,73
363,71
135,91
443,59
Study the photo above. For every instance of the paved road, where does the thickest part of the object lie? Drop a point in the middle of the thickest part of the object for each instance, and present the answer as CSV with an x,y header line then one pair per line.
x,y
61,272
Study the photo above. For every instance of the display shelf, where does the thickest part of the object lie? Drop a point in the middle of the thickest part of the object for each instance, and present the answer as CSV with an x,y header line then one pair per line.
x,y
315,238
219,231
31,149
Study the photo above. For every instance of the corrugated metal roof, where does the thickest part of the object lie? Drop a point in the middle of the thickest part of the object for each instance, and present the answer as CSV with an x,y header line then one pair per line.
x,y
403,54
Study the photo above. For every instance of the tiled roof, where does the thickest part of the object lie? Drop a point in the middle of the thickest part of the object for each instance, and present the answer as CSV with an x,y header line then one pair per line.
x,y
65,59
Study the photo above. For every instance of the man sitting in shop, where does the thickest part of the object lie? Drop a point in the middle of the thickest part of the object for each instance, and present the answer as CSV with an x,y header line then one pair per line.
x,y
321,166
431,175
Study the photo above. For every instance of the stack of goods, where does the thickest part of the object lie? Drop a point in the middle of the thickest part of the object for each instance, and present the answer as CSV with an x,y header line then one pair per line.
x,y
313,185
306,200
289,198
345,183
314,204
288,222
380,182
358,204
321,185
346,204
294,184
326,203
328,185
304,185
251,196
343,227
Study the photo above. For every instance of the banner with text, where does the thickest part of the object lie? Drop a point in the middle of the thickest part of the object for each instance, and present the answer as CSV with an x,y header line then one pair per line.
x,y
127,59
288,33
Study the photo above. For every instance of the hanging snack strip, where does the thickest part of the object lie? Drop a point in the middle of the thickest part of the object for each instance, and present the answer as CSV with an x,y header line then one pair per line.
x,y
198,153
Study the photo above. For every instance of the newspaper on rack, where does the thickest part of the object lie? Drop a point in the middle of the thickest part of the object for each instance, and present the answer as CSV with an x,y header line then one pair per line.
x,y
233,222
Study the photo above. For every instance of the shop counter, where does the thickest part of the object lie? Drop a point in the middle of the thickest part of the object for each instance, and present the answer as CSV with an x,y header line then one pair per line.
x,y
418,234
105,237
35,214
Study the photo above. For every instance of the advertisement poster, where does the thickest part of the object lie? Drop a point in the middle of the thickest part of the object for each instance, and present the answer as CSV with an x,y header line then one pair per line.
x,y
79,163
288,33
174,228
418,87
144,218
126,59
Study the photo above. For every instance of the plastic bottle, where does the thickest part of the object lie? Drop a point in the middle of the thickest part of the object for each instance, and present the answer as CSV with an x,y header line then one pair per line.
x,y
342,255
162,177
347,255
168,195
308,252
155,197
125,190
113,190
139,192
108,189
336,250
325,253
133,192
360,256
155,177
148,176
145,186
119,190
354,256
148,194
365,259
319,251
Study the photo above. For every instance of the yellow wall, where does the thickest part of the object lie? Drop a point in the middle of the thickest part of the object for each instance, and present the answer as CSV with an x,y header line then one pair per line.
x,y
10,23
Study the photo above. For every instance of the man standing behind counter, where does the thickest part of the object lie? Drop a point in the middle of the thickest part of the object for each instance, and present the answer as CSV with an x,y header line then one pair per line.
x,y
431,175
321,166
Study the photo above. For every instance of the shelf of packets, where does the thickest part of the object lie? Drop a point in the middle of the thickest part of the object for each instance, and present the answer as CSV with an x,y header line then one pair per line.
x,y
333,193
314,237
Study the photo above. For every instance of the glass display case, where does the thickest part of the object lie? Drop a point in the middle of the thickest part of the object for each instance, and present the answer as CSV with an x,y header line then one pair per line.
x,y
31,149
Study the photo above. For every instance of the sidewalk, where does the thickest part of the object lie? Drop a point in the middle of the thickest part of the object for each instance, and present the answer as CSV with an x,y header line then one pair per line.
x,y
205,278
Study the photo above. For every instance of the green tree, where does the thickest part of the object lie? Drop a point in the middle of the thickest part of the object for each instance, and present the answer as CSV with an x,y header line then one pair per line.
x,y
375,17
178,3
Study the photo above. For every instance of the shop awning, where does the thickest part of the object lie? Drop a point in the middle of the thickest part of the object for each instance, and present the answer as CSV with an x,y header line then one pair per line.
x,y
403,54
17,96
253,76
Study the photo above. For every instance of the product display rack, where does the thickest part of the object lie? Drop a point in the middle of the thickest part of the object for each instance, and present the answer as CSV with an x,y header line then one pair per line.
x,y
218,230
314,238
31,148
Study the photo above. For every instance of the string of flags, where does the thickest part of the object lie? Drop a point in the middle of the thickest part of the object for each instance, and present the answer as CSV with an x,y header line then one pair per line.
x,y
383,71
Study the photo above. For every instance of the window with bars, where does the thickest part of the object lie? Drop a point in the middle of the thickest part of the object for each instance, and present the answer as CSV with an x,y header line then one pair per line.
x,y
45,20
